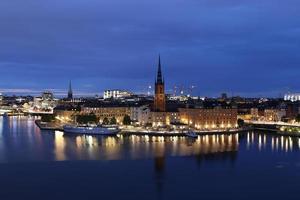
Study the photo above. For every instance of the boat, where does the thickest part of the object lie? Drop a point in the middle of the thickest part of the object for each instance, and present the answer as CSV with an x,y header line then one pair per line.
x,y
90,130
191,134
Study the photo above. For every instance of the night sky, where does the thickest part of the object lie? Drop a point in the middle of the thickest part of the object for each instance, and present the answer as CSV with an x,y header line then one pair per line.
x,y
243,47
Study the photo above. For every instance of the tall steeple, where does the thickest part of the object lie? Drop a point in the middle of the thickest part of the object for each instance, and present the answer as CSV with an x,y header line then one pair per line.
x,y
159,98
70,91
159,79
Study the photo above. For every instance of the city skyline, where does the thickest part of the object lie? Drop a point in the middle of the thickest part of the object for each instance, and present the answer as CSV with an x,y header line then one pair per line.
x,y
244,48
147,90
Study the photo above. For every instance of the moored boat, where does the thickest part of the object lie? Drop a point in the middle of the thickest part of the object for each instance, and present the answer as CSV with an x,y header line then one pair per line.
x,y
90,130
191,134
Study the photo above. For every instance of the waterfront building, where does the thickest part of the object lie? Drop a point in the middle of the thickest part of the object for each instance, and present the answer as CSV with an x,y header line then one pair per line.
x,y
66,112
160,119
140,115
43,104
164,114
274,115
254,113
116,94
110,112
209,119
292,110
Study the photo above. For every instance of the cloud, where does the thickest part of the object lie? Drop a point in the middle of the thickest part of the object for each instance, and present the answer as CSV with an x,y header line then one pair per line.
x,y
242,46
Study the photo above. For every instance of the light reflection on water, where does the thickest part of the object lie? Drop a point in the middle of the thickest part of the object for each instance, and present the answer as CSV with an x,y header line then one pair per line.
x,y
140,147
21,140
235,166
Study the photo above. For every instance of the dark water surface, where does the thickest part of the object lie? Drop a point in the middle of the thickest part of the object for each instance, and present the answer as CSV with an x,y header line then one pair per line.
x,y
50,165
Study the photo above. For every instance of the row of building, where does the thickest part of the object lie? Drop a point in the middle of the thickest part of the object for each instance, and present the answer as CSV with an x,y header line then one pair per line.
x,y
156,112
161,110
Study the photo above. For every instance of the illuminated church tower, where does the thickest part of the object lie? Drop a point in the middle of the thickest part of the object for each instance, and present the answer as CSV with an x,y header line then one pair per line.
x,y
160,97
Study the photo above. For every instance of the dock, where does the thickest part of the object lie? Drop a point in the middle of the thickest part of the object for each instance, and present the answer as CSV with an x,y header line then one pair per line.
x,y
48,126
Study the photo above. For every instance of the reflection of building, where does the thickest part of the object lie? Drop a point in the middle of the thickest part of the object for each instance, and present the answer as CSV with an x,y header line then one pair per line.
x,y
217,118
116,94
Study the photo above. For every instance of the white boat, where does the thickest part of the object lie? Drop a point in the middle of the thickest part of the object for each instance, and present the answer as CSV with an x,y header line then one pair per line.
x,y
191,134
90,130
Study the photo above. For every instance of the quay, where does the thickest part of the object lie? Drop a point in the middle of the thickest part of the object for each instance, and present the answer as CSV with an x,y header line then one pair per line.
x,y
49,126
139,131
275,128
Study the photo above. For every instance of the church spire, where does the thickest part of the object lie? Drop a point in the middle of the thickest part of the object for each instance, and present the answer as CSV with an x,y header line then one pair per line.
x,y
159,78
70,91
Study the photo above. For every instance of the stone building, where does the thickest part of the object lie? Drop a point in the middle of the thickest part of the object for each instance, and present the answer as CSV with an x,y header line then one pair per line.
x,y
208,119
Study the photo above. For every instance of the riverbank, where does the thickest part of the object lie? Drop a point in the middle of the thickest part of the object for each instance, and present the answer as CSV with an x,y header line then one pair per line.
x,y
275,130
140,131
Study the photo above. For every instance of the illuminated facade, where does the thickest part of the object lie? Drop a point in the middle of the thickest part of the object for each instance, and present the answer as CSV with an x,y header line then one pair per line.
x,y
274,115
254,113
209,119
164,118
116,94
292,97
44,104
140,115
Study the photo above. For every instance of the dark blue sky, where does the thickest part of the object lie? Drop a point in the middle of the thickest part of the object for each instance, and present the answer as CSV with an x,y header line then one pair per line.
x,y
246,47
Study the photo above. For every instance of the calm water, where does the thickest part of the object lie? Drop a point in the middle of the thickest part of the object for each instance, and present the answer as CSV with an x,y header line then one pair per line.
x,y
50,165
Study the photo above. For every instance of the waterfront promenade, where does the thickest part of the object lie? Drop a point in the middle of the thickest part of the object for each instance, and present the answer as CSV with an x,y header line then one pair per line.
x,y
130,130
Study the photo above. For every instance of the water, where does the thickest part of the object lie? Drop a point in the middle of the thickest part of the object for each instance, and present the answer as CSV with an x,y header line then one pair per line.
x,y
50,165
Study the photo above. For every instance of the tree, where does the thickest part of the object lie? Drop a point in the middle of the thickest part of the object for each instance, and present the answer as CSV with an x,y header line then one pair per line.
x,y
84,119
105,121
47,118
126,120
297,118
113,121
241,123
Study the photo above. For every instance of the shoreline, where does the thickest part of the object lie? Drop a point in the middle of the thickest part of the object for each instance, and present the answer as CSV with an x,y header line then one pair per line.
x,y
46,127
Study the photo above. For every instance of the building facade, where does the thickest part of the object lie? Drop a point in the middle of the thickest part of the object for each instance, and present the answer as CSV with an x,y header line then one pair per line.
x,y
208,119
292,97
274,115
140,115
116,94
108,112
